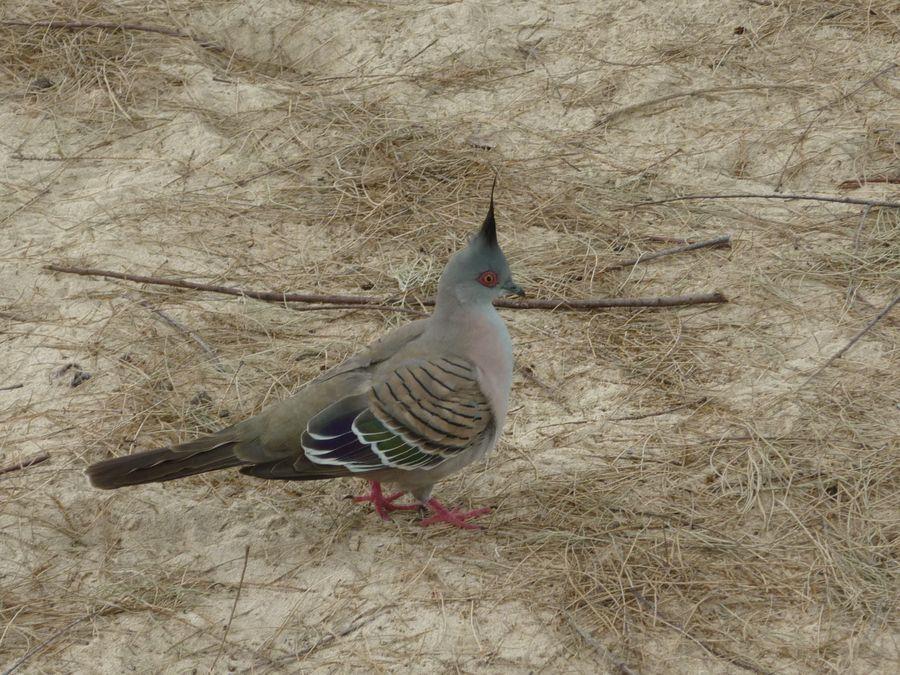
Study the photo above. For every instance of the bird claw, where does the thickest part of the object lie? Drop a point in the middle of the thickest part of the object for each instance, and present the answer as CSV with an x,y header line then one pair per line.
x,y
456,517
383,504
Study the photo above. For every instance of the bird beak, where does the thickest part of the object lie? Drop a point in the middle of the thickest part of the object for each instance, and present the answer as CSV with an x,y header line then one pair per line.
x,y
514,289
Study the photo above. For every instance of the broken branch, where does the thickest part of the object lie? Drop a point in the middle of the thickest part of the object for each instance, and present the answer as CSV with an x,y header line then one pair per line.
x,y
821,109
237,597
852,286
184,330
603,303
858,183
608,117
266,296
724,240
814,198
25,463
856,338
869,326
599,647
361,301
711,647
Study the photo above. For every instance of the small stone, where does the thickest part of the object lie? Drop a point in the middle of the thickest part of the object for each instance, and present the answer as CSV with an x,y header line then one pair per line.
x,y
79,377
39,84
70,374
201,398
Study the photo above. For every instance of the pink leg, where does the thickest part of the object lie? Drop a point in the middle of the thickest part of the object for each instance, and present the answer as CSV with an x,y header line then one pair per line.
x,y
455,517
384,504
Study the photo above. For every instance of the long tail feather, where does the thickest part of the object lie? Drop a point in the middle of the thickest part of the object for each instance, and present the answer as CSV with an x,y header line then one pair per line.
x,y
164,464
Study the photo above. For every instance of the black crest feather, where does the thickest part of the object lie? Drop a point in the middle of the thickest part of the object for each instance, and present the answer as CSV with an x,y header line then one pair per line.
x,y
489,227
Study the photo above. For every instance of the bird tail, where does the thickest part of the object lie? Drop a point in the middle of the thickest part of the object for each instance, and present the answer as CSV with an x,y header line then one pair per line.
x,y
163,464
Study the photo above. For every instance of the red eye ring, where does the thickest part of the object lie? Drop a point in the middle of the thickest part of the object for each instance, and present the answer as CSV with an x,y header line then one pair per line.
x,y
489,279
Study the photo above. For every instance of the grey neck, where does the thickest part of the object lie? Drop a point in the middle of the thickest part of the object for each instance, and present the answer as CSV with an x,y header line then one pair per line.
x,y
450,309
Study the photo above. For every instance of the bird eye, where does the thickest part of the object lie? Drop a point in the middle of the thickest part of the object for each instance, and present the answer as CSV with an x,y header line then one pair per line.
x,y
488,279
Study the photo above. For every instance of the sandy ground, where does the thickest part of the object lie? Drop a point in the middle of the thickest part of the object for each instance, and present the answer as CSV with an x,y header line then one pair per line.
x,y
681,490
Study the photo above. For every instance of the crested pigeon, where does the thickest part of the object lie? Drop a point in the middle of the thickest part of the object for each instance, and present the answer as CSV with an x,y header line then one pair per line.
x,y
421,403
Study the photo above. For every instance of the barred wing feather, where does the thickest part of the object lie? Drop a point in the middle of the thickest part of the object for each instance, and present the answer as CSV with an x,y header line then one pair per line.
x,y
421,414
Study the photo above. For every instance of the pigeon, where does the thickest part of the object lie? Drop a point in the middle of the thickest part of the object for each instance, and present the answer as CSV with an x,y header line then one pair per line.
x,y
425,400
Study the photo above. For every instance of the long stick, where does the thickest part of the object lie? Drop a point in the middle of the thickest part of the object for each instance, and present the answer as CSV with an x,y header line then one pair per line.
x,y
709,646
869,326
598,646
814,198
852,286
608,117
603,303
821,109
42,646
184,330
856,338
267,296
859,182
724,240
237,596
25,463
362,301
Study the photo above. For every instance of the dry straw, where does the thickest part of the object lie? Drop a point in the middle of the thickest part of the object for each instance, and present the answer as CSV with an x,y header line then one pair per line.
x,y
673,486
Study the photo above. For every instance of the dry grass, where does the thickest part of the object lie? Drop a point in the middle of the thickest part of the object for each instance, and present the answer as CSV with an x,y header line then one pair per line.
x,y
674,491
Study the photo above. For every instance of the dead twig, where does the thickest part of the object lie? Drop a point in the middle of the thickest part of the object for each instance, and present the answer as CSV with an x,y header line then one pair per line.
x,y
364,302
420,52
689,404
869,326
604,303
237,596
266,296
666,240
733,659
599,647
797,144
111,25
553,393
359,622
608,117
184,330
724,240
852,286
11,387
25,205
856,338
813,198
46,643
820,110
363,619
859,182
25,463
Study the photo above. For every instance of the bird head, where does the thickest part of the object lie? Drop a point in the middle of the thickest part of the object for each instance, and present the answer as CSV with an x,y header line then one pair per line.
x,y
479,273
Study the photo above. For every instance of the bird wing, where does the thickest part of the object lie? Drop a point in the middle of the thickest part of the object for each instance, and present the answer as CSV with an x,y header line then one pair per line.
x,y
274,434
420,414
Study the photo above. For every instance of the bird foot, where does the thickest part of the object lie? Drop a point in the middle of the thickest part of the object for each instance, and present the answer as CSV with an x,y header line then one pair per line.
x,y
384,504
455,517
